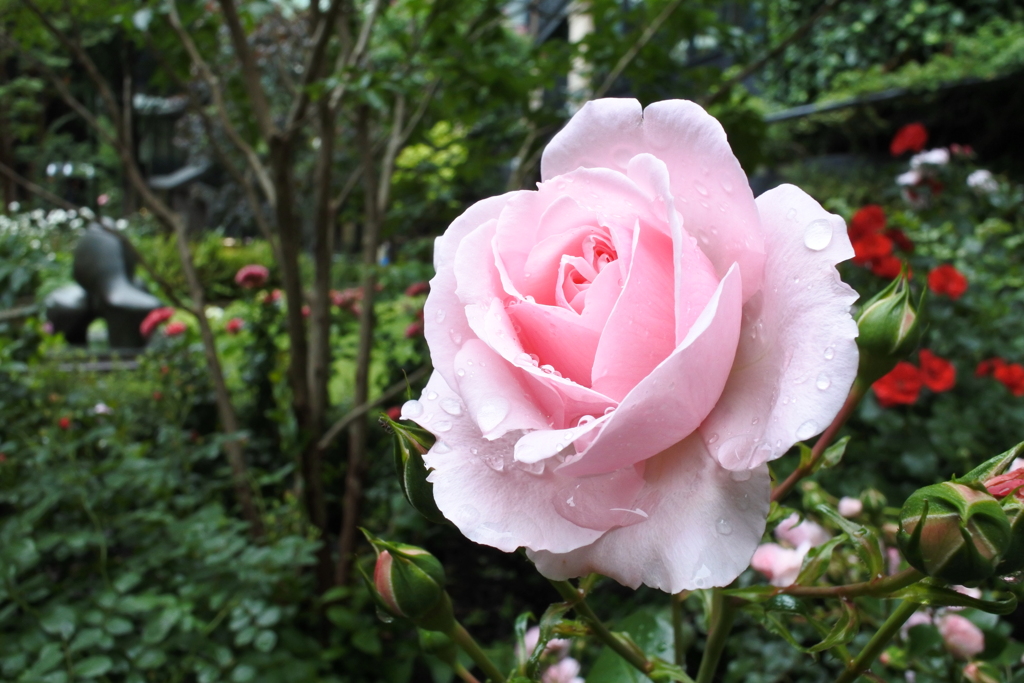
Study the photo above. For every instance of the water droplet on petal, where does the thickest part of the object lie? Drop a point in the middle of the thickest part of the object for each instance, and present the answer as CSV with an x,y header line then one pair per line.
x,y
536,468
442,426
755,420
491,413
791,214
807,430
713,438
455,335
727,186
700,579
431,395
740,475
723,527
493,460
823,382
439,316
830,352
609,409
440,448
460,372
818,234
451,406
701,189
411,410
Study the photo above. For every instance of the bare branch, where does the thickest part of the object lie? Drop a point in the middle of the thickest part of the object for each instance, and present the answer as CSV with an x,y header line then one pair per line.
x,y
629,55
218,98
357,54
314,64
250,74
755,66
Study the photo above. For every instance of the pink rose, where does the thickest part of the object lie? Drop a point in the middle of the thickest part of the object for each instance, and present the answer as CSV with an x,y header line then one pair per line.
x,y
155,319
619,353
779,565
801,534
252,276
962,638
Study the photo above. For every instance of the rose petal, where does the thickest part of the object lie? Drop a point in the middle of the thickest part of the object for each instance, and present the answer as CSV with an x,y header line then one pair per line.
x,y
667,405
542,444
711,190
797,356
444,316
496,504
496,398
702,532
640,332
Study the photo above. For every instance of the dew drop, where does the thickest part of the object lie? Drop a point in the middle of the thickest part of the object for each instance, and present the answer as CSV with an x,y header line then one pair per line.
x,y
442,426
1014,578
609,409
830,352
440,448
494,461
723,527
791,214
807,430
823,382
700,579
755,420
468,515
460,372
547,368
474,450
451,406
713,438
530,299
455,335
701,189
431,395
411,410
384,616
740,475
491,413
818,234
439,316
727,186
536,468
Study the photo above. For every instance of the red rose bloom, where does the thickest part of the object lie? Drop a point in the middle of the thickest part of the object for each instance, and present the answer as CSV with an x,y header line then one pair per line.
x,y
1012,377
988,367
900,387
868,220
155,319
175,328
946,279
900,239
252,276
888,267
234,326
871,247
414,330
395,412
417,288
64,423
938,374
910,138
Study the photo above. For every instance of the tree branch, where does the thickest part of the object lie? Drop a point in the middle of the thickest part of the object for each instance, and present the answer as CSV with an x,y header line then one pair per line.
x,y
314,64
250,74
629,55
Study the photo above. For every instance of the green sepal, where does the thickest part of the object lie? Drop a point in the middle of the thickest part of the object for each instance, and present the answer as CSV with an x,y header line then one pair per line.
x,y
889,329
869,546
664,671
440,645
992,467
927,593
410,443
551,618
520,628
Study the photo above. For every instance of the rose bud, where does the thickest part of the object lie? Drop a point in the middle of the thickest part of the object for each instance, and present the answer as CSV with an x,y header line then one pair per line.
x,y
890,328
954,532
961,637
873,500
410,583
411,443
850,507
980,672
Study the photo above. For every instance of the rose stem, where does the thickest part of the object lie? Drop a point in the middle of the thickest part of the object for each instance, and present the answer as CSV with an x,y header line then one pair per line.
x,y
678,643
878,641
723,612
575,599
876,587
464,674
856,394
462,638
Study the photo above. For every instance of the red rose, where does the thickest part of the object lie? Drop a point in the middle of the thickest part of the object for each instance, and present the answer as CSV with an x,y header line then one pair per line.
x,y
64,423
414,330
417,288
871,247
868,220
900,239
272,297
175,328
910,138
938,374
252,276
346,298
887,266
1012,377
155,318
234,326
899,387
988,367
946,279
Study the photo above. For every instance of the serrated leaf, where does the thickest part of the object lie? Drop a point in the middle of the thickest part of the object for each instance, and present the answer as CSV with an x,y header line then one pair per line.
x,y
843,630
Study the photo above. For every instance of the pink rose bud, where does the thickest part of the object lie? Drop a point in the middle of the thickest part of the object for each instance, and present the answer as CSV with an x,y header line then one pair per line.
x,y
563,671
801,533
779,565
234,326
962,638
410,583
252,276
850,507
608,346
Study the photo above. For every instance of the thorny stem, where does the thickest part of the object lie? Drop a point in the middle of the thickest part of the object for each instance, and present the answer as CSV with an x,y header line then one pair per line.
x,y
878,642
575,599
723,612
462,638
856,394
878,587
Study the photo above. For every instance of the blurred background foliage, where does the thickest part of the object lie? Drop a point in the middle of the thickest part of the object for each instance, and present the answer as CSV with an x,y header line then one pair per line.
x,y
122,554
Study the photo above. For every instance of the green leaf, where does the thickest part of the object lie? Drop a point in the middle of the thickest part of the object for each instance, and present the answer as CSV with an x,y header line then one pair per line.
x,y
843,630
817,561
868,545
834,453
151,659
118,626
939,596
86,639
265,641
243,673
159,626
92,667
59,621
752,593
649,629
126,582
551,618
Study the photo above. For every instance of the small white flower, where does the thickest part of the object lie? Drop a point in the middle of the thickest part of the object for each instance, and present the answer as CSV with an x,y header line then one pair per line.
x,y
933,157
13,207
214,312
102,409
983,181
850,507
909,178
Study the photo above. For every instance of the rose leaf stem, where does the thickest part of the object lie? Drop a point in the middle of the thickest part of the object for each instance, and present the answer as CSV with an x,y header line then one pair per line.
x,y
678,641
464,673
575,599
723,613
876,587
878,641
462,638
852,401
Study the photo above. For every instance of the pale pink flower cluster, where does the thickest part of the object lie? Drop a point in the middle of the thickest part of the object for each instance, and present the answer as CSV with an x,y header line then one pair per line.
x,y
564,669
781,564
961,637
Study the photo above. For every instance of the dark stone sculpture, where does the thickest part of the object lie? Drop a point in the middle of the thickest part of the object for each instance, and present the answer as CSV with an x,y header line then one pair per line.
x,y
106,288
